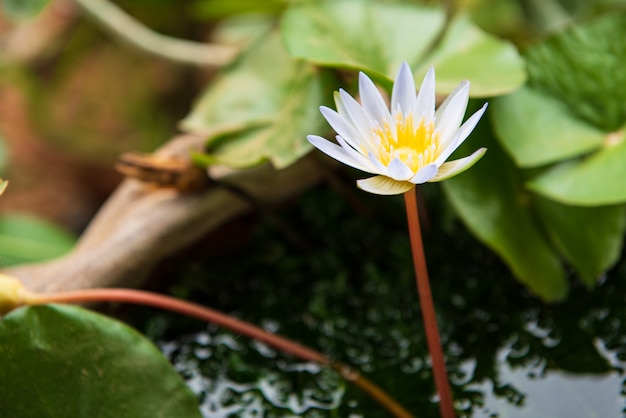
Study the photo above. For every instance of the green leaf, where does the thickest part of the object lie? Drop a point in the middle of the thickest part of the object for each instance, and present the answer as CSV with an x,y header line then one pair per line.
x,y
23,9
595,180
537,129
64,361
360,34
493,66
589,238
584,66
267,103
378,37
27,239
241,30
491,201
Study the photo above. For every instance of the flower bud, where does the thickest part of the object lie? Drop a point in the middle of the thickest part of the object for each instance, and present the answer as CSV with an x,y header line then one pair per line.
x,y
12,293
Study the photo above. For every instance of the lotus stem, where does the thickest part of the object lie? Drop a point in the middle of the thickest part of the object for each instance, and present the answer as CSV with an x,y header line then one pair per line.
x,y
428,307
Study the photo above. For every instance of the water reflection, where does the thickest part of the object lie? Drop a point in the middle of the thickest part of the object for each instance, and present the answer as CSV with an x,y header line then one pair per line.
x,y
241,378
353,298
553,393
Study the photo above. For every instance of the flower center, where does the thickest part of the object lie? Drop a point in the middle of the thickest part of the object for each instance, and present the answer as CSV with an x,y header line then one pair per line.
x,y
416,146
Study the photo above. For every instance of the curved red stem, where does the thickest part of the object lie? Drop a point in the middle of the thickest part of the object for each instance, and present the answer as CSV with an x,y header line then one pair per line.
x,y
206,314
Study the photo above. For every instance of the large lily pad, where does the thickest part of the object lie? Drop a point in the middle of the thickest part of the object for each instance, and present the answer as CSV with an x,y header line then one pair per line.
x,y
378,37
584,67
595,180
589,238
65,361
261,108
536,128
579,68
360,34
493,66
491,200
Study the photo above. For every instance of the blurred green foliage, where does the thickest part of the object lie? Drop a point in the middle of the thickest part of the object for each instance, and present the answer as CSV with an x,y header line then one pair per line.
x,y
25,239
219,9
264,102
23,9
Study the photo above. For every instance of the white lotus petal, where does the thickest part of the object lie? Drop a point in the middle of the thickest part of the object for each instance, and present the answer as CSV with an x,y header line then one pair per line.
x,y
460,135
403,94
384,185
345,128
382,168
449,116
372,101
442,108
358,116
424,174
452,168
335,151
357,156
398,170
425,103
471,123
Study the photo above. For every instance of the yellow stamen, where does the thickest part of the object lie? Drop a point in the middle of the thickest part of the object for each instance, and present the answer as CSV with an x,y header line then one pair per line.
x,y
416,146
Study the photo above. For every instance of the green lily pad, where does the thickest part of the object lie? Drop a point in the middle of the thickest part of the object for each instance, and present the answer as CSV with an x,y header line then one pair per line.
x,y
28,239
590,238
537,129
65,361
493,66
584,67
360,34
378,37
491,201
596,180
261,108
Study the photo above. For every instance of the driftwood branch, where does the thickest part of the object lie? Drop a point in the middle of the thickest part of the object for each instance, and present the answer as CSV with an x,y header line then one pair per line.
x,y
140,225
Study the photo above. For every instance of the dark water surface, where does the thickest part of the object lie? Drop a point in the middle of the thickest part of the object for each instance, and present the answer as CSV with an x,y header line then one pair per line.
x,y
339,278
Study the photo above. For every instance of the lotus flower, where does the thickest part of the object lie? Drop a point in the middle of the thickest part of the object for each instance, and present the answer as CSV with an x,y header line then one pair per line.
x,y
406,144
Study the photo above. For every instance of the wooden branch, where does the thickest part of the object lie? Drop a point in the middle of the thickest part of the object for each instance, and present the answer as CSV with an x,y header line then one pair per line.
x,y
140,225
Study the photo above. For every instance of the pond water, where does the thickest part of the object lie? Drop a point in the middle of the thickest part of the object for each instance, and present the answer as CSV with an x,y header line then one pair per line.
x,y
338,277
